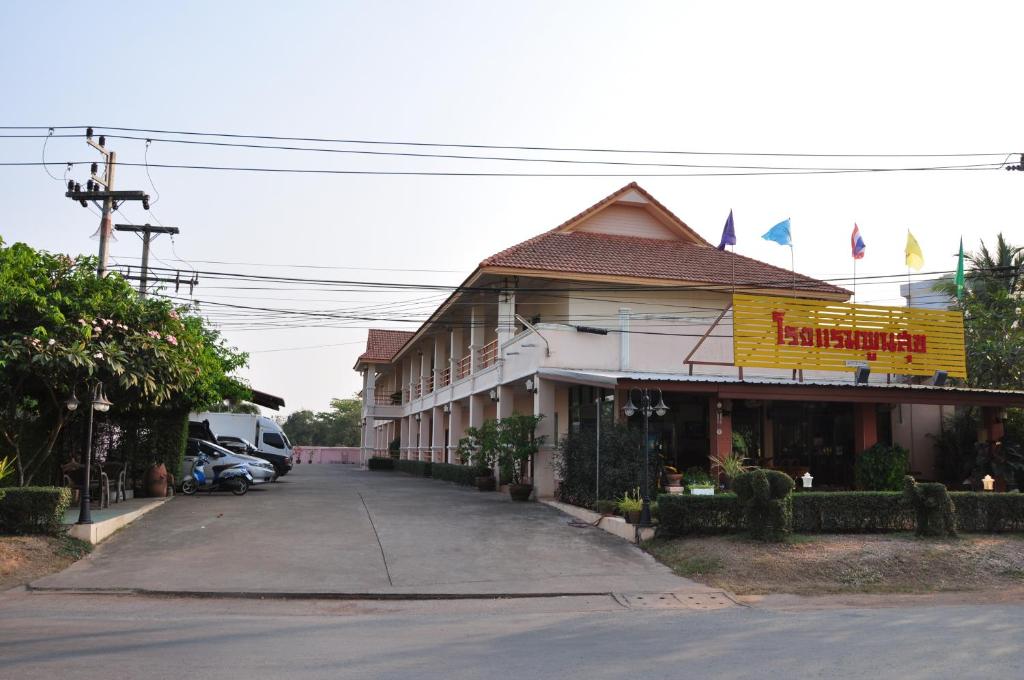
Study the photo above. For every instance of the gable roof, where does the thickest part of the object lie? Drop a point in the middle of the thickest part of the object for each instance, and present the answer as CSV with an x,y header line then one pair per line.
x,y
382,344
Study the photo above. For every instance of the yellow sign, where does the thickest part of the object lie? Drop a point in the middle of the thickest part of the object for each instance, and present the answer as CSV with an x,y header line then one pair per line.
x,y
779,332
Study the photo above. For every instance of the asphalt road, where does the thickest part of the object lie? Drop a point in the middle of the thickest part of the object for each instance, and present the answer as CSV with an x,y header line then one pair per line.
x,y
335,529
110,637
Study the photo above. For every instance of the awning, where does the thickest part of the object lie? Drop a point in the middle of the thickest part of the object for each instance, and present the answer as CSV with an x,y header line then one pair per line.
x,y
781,389
267,400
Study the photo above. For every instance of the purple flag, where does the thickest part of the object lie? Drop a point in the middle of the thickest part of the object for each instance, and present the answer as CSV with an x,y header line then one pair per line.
x,y
728,234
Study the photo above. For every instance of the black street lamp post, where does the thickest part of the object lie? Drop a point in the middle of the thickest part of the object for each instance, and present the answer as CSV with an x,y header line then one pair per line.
x,y
647,410
97,402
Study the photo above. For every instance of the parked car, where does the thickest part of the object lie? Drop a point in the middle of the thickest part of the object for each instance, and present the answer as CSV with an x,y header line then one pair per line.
x,y
281,462
262,432
261,471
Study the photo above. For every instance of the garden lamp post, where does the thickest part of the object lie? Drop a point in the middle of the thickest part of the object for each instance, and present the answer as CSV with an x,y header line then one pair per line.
x,y
99,402
647,409
597,445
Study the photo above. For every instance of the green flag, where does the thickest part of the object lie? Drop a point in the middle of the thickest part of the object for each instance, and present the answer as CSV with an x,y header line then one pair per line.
x,y
960,272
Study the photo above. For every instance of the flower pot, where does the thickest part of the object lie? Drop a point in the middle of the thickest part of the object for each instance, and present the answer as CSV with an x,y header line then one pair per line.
x,y
156,481
633,516
520,492
485,483
673,480
698,491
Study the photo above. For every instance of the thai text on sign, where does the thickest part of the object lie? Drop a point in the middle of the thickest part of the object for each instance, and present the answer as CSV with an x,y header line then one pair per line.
x,y
778,332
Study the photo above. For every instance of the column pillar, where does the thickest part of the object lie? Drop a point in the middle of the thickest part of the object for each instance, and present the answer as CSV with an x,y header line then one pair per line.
x,y
369,385
505,405
456,430
437,435
476,337
721,430
543,472
865,427
506,316
424,431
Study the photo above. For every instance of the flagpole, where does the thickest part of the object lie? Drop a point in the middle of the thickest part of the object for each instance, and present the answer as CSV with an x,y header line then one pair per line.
x,y
855,278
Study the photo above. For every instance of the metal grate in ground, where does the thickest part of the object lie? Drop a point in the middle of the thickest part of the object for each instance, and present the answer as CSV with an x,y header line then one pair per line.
x,y
705,601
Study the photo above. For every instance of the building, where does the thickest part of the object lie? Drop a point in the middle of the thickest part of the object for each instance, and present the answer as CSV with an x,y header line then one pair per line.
x,y
626,296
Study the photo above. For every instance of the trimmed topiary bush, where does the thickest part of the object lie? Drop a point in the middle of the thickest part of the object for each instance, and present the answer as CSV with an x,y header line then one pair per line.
x,y
987,512
33,509
683,515
881,468
380,463
766,499
460,474
420,468
935,511
840,512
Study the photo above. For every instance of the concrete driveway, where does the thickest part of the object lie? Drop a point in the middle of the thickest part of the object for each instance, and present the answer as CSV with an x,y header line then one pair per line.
x,y
335,530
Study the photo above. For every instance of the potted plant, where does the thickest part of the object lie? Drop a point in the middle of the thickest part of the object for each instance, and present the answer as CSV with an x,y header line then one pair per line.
x,y
630,505
699,482
517,443
479,450
673,477
731,465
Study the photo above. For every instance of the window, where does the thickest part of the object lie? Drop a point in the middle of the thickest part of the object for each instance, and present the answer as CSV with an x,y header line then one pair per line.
x,y
273,439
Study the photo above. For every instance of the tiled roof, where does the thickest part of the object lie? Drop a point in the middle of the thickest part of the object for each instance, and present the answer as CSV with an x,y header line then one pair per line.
x,y
382,344
611,255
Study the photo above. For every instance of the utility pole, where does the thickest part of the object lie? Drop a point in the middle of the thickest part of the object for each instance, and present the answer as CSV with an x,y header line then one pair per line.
x,y
148,232
102,188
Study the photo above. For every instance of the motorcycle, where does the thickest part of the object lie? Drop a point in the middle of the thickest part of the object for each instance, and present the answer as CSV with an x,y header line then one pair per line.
x,y
233,478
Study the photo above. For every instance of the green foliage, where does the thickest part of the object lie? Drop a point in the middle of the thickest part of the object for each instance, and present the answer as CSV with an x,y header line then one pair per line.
x,y
841,512
766,498
881,468
987,512
954,445
480,447
395,447
606,506
151,436
338,426
33,509
380,463
460,474
419,468
63,329
731,465
680,515
517,444
631,501
622,463
697,478
932,505
6,468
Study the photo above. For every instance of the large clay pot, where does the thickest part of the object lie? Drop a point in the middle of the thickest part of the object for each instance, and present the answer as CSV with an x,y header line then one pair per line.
x,y
156,481
485,483
520,492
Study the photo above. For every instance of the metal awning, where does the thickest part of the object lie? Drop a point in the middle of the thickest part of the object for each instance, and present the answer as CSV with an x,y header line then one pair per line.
x,y
729,387
267,400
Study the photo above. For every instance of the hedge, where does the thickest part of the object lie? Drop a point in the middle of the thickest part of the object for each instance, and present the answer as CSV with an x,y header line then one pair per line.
x,y
982,512
684,515
33,509
420,468
378,463
460,474
840,512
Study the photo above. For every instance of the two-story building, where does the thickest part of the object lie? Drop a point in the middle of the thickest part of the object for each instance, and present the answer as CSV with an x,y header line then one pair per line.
x,y
626,296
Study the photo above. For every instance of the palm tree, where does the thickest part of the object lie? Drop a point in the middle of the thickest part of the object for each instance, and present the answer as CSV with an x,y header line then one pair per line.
x,y
998,270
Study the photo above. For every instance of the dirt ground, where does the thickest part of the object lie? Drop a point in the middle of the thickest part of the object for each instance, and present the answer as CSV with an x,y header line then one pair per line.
x,y
26,558
824,564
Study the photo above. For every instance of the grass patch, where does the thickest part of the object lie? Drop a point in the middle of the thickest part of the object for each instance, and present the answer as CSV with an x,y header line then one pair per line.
x,y
27,558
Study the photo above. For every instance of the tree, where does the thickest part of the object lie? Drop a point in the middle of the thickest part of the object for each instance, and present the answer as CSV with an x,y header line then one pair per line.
x,y
337,427
992,303
63,329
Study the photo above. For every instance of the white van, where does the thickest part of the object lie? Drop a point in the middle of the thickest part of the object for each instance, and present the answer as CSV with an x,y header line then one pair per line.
x,y
265,434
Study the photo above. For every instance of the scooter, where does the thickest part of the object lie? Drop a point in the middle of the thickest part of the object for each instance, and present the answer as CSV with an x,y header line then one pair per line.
x,y
233,478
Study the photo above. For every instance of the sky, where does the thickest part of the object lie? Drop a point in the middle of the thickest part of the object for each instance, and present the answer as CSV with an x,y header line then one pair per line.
x,y
780,77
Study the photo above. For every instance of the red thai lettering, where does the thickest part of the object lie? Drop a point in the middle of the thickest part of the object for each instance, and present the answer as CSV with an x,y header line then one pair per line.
x,y
777,317
807,337
791,336
903,341
919,344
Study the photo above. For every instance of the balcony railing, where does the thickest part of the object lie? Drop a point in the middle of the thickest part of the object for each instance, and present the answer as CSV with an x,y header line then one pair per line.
x,y
417,391
391,398
489,353
428,384
445,378
462,366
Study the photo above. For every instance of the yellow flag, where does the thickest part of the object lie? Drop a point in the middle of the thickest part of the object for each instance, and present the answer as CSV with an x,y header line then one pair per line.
x,y
915,258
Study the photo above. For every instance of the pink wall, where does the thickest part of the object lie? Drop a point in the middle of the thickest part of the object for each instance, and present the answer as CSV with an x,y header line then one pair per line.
x,y
326,454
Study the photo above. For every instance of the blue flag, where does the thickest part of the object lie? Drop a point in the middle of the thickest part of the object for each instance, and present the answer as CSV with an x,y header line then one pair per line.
x,y
780,234
728,234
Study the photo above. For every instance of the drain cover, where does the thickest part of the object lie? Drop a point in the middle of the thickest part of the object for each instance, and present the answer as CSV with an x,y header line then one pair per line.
x,y
702,601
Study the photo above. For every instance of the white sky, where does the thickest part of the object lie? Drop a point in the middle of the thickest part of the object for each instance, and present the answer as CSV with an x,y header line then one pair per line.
x,y
867,77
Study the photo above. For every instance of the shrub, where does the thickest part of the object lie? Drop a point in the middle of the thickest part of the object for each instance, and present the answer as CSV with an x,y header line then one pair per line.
x,y
680,515
842,512
420,468
766,497
460,474
933,506
881,468
380,463
621,464
33,509
631,501
606,507
988,512
395,447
